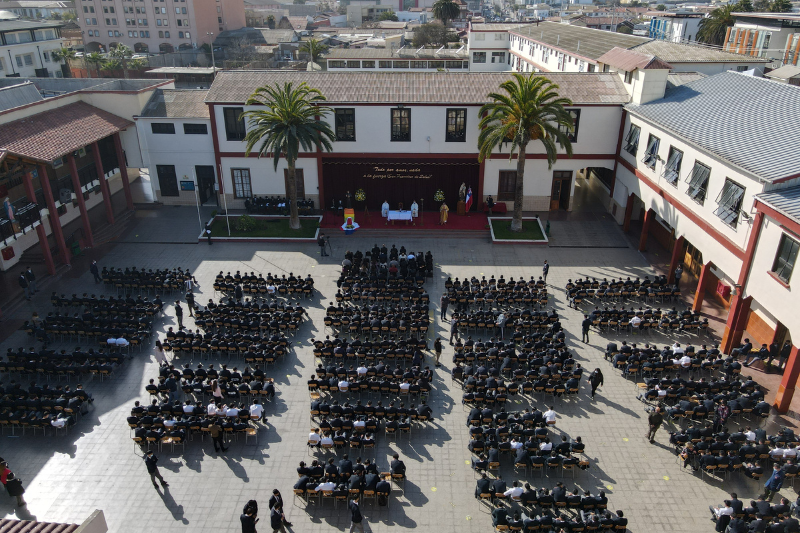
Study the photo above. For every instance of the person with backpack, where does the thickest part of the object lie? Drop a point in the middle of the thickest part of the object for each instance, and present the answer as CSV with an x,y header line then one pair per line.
x,y
12,484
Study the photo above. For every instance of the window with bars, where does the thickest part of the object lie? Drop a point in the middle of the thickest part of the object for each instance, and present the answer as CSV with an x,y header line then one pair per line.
x,y
401,124
576,118
729,203
698,182
241,183
672,170
234,123
632,139
651,154
346,124
507,186
785,258
456,125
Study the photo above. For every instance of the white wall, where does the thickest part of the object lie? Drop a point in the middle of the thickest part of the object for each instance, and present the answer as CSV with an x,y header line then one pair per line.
x,y
553,61
10,65
265,180
764,288
711,249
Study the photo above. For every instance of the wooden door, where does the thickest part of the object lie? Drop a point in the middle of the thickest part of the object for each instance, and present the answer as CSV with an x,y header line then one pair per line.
x,y
560,192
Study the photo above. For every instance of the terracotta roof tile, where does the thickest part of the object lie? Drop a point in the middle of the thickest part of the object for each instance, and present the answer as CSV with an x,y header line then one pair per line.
x,y
29,526
49,135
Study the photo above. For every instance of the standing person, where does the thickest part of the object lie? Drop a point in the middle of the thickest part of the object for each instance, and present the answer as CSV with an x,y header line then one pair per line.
x,y
443,211
595,380
678,274
437,349
29,275
12,484
545,270
95,272
277,519
721,414
501,325
654,421
453,327
585,325
774,483
444,301
190,302
179,314
355,516
277,499
217,436
208,234
249,520
321,244
151,460
23,282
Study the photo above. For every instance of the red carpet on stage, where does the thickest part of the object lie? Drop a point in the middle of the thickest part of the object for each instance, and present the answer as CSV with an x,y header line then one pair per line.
x,y
474,222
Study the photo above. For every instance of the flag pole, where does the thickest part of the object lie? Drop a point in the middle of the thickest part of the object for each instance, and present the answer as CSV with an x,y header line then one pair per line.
x,y
225,200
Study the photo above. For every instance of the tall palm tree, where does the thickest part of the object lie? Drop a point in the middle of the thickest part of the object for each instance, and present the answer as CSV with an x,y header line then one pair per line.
x,y
714,27
446,10
530,109
121,53
314,48
63,54
286,122
96,59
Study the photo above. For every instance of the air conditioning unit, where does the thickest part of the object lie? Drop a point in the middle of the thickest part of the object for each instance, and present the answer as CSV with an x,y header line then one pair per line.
x,y
58,163
65,196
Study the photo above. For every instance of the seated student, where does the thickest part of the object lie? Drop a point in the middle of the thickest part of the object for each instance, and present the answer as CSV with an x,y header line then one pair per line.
x,y
483,486
500,517
397,466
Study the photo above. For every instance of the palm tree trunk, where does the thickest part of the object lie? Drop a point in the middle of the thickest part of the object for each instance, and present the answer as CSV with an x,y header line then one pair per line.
x,y
516,221
291,195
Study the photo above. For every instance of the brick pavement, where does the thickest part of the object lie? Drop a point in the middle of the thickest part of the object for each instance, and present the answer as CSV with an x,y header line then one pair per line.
x,y
96,466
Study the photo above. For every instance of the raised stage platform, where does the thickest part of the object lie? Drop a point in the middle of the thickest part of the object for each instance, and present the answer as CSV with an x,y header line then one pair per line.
x,y
428,220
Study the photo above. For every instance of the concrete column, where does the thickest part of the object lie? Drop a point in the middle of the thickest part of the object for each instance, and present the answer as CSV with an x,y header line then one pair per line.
x,y
675,259
737,321
48,257
788,383
55,221
98,164
648,218
76,184
700,293
123,171
626,224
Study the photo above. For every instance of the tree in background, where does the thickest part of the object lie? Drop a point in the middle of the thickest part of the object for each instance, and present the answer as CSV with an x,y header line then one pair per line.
x,y
780,6
624,29
529,109
271,22
283,121
433,34
388,15
661,7
63,54
446,10
120,53
96,59
714,27
314,48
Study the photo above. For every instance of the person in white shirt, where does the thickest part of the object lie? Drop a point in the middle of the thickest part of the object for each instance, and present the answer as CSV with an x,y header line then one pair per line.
x,y
111,341
122,341
405,385
327,486
326,441
550,415
169,422
188,408
232,412
256,410
635,321
514,492
221,410
362,371
344,385
790,453
776,454
271,289
58,422
314,438
750,434
546,445
411,256
385,209
721,511
212,408
515,444
677,349
360,425
414,210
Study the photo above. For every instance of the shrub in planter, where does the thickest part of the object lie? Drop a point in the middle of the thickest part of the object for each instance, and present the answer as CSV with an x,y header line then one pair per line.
x,y
245,223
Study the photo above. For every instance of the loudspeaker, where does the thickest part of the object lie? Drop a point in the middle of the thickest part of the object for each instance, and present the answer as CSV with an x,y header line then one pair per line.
x,y
65,196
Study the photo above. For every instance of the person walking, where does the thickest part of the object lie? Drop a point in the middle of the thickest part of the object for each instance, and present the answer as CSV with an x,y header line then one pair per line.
x,y
678,274
774,483
444,301
95,272
585,325
179,314
12,484
277,499
248,520
217,436
453,327
207,231
277,519
190,303
23,282
151,461
355,516
437,350
595,380
321,244
654,421
545,270
31,277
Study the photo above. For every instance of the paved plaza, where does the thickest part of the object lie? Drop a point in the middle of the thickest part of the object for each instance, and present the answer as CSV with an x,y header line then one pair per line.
x,y
96,466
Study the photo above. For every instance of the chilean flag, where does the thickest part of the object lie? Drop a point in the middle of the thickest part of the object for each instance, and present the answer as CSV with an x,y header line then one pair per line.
x,y
469,199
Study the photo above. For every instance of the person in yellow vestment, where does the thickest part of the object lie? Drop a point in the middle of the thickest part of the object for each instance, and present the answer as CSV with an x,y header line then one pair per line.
x,y
443,214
